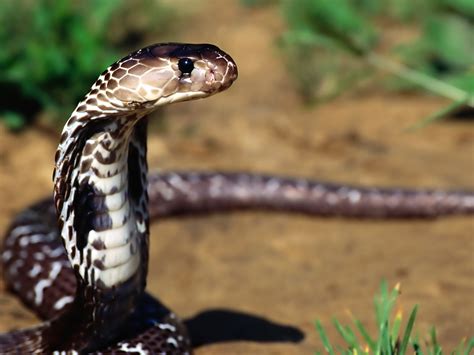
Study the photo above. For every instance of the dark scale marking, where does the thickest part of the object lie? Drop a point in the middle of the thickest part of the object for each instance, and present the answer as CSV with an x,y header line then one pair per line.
x,y
100,222
98,244
135,186
98,203
81,108
128,64
91,101
99,264
119,73
111,158
89,148
67,192
68,169
63,138
93,276
106,143
115,189
69,210
103,98
60,222
86,165
95,171
89,258
83,213
111,85
86,274
112,68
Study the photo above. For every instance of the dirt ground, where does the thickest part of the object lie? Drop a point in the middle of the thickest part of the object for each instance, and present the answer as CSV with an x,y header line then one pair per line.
x,y
290,270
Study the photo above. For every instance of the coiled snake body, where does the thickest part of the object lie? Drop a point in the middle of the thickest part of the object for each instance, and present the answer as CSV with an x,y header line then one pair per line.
x,y
87,277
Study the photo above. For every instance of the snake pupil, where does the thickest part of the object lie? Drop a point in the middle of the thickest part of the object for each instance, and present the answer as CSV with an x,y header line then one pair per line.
x,y
185,65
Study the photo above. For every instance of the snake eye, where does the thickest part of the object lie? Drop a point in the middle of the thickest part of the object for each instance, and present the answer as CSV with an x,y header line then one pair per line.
x,y
185,65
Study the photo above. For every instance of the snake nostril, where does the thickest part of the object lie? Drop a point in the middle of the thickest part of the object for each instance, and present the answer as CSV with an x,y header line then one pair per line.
x,y
185,65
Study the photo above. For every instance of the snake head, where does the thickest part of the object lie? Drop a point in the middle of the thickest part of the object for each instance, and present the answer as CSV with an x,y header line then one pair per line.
x,y
166,73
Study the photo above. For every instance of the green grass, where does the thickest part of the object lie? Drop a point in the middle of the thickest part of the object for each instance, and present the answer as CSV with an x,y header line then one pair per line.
x,y
52,51
393,336
331,45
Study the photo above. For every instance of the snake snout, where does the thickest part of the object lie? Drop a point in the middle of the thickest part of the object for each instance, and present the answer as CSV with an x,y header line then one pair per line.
x,y
224,61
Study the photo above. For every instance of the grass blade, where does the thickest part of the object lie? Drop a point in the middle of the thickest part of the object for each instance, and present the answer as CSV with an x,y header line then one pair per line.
x,y
396,327
347,334
324,338
445,111
470,346
434,342
408,329
370,342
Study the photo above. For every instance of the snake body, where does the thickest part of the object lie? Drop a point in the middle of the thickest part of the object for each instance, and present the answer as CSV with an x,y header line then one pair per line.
x,y
87,277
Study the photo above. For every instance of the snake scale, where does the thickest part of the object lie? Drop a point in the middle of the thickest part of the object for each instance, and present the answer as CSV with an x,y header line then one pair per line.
x,y
80,260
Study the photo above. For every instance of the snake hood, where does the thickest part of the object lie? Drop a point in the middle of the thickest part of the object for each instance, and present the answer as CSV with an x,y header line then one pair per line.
x,y
95,140
134,86
100,175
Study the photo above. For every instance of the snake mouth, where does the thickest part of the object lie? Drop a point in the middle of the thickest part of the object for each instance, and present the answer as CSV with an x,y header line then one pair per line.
x,y
221,68
224,64
217,82
213,71
231,74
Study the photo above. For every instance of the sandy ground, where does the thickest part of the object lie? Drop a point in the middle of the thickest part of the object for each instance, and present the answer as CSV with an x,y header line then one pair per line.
x,y
289,269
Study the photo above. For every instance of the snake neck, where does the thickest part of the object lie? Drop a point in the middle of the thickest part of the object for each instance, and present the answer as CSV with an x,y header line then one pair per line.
x,y
102,205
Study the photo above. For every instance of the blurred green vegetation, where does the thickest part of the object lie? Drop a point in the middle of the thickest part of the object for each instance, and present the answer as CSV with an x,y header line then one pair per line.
x,y
257,3
331,45
392,338
53,50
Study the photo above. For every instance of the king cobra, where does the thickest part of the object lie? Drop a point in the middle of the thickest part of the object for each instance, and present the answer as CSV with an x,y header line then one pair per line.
x,y
80,260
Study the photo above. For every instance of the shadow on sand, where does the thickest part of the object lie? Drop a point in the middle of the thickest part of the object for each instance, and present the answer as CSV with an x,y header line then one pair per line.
x,y
222,325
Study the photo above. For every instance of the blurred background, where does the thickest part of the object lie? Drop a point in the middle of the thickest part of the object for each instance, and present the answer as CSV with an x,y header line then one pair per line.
x,y
358,91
